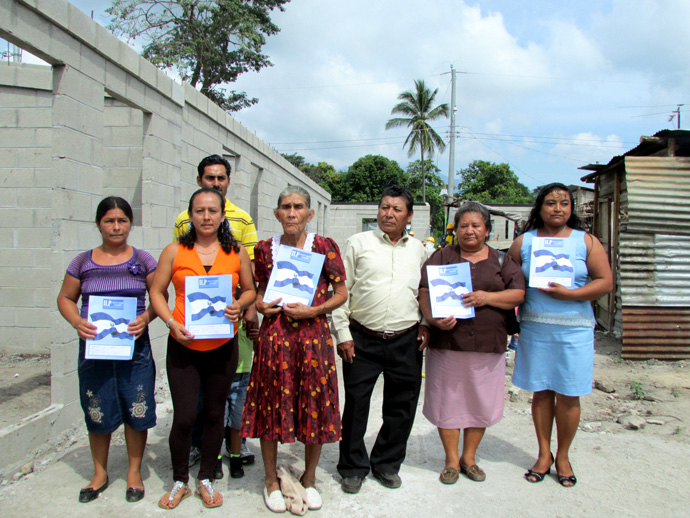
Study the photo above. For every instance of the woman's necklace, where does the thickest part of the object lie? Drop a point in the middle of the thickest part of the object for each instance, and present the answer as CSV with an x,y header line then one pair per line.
x,y
206,253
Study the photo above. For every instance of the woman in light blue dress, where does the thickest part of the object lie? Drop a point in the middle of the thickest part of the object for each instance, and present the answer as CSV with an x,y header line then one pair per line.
x,y
555,359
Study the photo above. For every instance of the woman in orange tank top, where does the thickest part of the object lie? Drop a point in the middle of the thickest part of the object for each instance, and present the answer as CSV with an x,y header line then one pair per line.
x,y
209,248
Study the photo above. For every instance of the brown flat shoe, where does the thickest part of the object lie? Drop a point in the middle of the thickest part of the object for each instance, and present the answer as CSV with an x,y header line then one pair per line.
x,y
473,472
449,475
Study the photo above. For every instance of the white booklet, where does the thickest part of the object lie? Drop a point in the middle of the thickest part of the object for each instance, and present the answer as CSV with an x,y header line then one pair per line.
x,y
552,261
111,316
447,284
204,306
295,276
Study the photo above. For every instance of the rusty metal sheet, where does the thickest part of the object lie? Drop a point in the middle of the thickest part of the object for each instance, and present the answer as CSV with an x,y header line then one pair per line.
x,y
654,270
656,191
656,332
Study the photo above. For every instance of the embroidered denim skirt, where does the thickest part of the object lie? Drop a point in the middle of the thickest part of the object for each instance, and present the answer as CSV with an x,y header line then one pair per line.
x,y
113,392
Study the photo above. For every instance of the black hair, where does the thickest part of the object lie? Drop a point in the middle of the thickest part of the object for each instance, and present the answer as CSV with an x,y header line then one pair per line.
x,y
114,202
227,241
213,160
534,220
473,206
398,191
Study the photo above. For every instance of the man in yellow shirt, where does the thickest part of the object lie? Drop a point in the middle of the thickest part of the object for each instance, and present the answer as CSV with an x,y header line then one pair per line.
x,y
214,171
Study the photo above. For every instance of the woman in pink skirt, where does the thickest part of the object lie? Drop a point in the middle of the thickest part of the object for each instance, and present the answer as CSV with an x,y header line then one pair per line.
x,y
465,363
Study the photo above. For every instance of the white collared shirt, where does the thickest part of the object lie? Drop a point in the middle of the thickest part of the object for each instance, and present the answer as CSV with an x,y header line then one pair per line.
x,y
382,282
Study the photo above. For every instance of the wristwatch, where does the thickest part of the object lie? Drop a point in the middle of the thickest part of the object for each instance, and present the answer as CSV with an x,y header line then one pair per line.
x,y
167,324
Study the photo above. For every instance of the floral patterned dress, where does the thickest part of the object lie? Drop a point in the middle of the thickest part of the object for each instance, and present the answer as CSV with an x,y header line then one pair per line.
x,y
293,388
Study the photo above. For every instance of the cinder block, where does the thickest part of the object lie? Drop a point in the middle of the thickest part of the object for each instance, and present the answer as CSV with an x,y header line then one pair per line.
x,y
63,46
92,63
39,77
57,11
18,340
8,198
72,205
119,115
33,317
81,25
166,85
136,156
34,198
115,76
107,43
71,82
135,91
64,388
73,145
148,73
42,217
30,27
64,358
14,217
16,297
90,179
7,315
34,118
17,138
9,117
128,58
122,179
30,238
124,137
43,297
115,158
8,75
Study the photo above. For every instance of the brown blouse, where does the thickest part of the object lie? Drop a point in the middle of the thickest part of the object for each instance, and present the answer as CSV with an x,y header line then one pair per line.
x,y
486,332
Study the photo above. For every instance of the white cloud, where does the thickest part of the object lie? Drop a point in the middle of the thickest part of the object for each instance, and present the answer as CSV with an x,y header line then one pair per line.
x,y
547,88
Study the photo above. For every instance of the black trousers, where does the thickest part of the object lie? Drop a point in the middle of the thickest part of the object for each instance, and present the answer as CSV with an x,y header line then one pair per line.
x,y
189,372
401,365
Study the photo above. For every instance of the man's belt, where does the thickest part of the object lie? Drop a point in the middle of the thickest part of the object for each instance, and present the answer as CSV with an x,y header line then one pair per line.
x,y
383,335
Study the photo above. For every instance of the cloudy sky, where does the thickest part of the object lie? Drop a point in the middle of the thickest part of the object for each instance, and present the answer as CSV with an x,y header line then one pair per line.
x,y
544,85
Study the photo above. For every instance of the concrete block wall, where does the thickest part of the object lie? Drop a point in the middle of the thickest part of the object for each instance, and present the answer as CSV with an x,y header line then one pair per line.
x,y
99,120
346,219
26,120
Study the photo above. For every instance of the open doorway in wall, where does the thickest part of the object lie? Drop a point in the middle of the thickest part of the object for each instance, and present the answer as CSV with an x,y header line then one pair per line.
x,y
26,183
369,224
123,138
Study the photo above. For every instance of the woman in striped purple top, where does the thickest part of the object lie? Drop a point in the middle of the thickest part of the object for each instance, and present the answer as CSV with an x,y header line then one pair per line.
x,y
113,392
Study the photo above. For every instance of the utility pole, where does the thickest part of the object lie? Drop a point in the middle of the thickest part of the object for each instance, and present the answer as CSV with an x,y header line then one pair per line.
x,y
674,113
451,159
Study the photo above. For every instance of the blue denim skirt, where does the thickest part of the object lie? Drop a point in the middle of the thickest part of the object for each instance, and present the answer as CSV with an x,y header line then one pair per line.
x,y
113,392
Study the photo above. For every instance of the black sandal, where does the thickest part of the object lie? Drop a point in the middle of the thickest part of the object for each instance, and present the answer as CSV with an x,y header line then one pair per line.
x,y
562,480
538,477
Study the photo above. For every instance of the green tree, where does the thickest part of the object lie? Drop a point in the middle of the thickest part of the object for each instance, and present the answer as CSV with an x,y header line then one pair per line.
x,y
487,182
319,173
208,42
434,185
295,159
365,179
417,110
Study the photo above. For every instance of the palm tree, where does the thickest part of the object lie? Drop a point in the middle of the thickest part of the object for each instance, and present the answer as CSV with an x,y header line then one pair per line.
x,y
417,108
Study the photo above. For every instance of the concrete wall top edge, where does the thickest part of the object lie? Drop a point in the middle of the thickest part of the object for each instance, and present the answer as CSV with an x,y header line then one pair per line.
x,y
97,38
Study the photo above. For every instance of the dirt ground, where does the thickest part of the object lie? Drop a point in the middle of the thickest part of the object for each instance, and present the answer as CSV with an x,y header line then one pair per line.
x,y
630,457
24,386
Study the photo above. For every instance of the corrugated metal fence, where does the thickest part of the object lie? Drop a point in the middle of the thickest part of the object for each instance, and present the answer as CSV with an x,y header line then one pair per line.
x,y
654,257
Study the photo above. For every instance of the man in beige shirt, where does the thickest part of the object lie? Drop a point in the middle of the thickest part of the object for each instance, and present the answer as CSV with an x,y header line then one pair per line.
x,y
378,331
